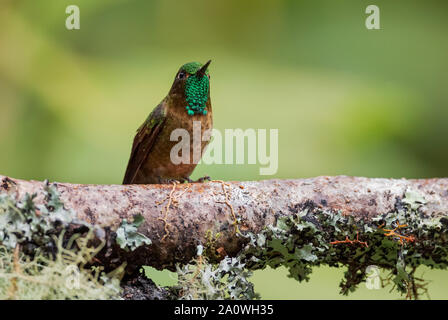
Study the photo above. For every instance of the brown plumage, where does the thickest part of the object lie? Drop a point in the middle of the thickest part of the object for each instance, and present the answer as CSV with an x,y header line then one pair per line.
x,y
150,160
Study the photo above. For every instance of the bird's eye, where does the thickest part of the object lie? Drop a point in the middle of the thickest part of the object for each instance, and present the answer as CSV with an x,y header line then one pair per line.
x,y
181,75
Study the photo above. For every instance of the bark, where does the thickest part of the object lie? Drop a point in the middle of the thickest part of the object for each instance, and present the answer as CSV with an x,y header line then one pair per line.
x,y
178,218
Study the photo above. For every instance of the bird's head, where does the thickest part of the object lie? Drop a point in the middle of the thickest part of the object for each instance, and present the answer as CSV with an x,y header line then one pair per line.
x,y
192,86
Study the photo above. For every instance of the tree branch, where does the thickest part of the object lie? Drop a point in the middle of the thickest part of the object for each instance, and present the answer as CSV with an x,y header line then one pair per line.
x,y
180,217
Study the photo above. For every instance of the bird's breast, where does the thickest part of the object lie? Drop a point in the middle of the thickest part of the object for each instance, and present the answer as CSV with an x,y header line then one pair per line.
x,y
179,146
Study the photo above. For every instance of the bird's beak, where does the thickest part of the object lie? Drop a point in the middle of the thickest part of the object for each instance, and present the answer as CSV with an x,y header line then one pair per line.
x,y
201,71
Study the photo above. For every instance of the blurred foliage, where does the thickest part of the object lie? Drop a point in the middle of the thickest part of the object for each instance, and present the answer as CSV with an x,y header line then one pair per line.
x,y
346,100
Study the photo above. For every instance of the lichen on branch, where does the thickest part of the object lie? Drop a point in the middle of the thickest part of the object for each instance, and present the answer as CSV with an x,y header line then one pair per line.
x,y
43,257
337,221
309,238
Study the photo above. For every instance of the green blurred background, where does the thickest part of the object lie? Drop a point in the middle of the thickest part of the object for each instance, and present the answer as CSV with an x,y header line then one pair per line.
x,y
346,100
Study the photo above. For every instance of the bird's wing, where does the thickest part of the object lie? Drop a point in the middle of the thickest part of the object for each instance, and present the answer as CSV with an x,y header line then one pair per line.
x,y
143,142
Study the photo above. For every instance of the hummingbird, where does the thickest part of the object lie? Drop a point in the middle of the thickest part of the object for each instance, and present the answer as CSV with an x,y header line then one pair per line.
x,y
187,101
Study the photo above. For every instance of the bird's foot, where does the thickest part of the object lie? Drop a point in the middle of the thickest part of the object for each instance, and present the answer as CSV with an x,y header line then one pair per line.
x,y
200,180
204,179
170,181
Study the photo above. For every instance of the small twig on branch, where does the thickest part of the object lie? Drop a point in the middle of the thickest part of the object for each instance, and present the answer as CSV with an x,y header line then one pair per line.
x,y
347,240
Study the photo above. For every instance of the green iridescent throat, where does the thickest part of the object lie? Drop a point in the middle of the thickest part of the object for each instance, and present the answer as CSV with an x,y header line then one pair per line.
x,y
196,92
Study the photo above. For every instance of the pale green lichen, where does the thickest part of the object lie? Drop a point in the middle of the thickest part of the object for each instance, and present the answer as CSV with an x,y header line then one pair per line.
x,y
37,261
127,236
202,280
303,240
61,277
313,237
24,221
